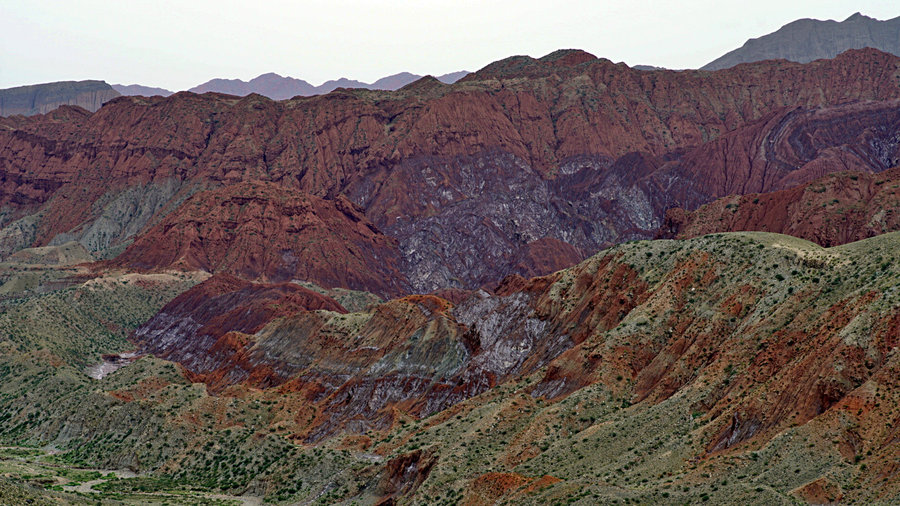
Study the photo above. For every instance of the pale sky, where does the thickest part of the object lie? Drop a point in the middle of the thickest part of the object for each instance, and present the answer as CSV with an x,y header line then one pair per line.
x,y
177,44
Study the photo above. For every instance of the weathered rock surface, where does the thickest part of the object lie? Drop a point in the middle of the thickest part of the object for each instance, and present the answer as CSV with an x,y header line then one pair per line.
x,y
835,209
354,370
750,334
563,154
43,98
806,40
263,231
192,329
787,148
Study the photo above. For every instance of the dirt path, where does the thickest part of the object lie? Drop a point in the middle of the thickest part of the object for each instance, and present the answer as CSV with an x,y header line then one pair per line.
x,y
86,487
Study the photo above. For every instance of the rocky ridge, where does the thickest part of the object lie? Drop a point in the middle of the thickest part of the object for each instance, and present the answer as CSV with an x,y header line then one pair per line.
x,y
562,155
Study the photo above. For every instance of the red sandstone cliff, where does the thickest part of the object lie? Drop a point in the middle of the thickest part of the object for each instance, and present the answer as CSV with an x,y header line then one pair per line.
x,y
263,231
835,209
567,153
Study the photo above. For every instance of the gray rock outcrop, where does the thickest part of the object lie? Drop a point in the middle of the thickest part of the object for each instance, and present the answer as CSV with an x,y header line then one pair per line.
x,y
43,98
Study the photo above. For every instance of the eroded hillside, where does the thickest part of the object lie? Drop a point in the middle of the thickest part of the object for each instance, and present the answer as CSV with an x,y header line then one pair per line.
x,y
532,163
764,367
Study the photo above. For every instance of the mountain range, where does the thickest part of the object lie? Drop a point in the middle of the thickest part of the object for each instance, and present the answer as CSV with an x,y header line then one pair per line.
x,y
276,87
556,280
527,175
801,41
90,95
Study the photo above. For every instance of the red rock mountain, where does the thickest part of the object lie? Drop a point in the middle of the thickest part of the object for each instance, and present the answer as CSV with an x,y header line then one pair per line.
x,y
736,367
793,146
565,154
264,231
835,209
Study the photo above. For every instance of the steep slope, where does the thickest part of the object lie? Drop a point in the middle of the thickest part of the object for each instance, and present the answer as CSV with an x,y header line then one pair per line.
x,y
743,367
43,98
567,153
268,232
806,40
784,149
835,209
745,338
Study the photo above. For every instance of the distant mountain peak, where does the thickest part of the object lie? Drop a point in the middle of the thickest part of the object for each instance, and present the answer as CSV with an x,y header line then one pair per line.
x,y
858,16
43,98
805,40
278,87
137,89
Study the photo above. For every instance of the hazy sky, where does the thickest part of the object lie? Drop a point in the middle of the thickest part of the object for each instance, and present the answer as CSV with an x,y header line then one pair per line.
x,y
179,44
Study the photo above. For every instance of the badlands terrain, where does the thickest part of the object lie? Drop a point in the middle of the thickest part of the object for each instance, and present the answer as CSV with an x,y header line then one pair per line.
x,y
556,280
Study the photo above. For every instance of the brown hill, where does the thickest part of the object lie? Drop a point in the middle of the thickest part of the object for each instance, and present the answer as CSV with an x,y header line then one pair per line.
x,y
568,149
835,209
263,231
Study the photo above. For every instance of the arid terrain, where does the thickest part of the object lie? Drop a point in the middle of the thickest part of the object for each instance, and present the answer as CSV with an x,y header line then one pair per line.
x,y
556,280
